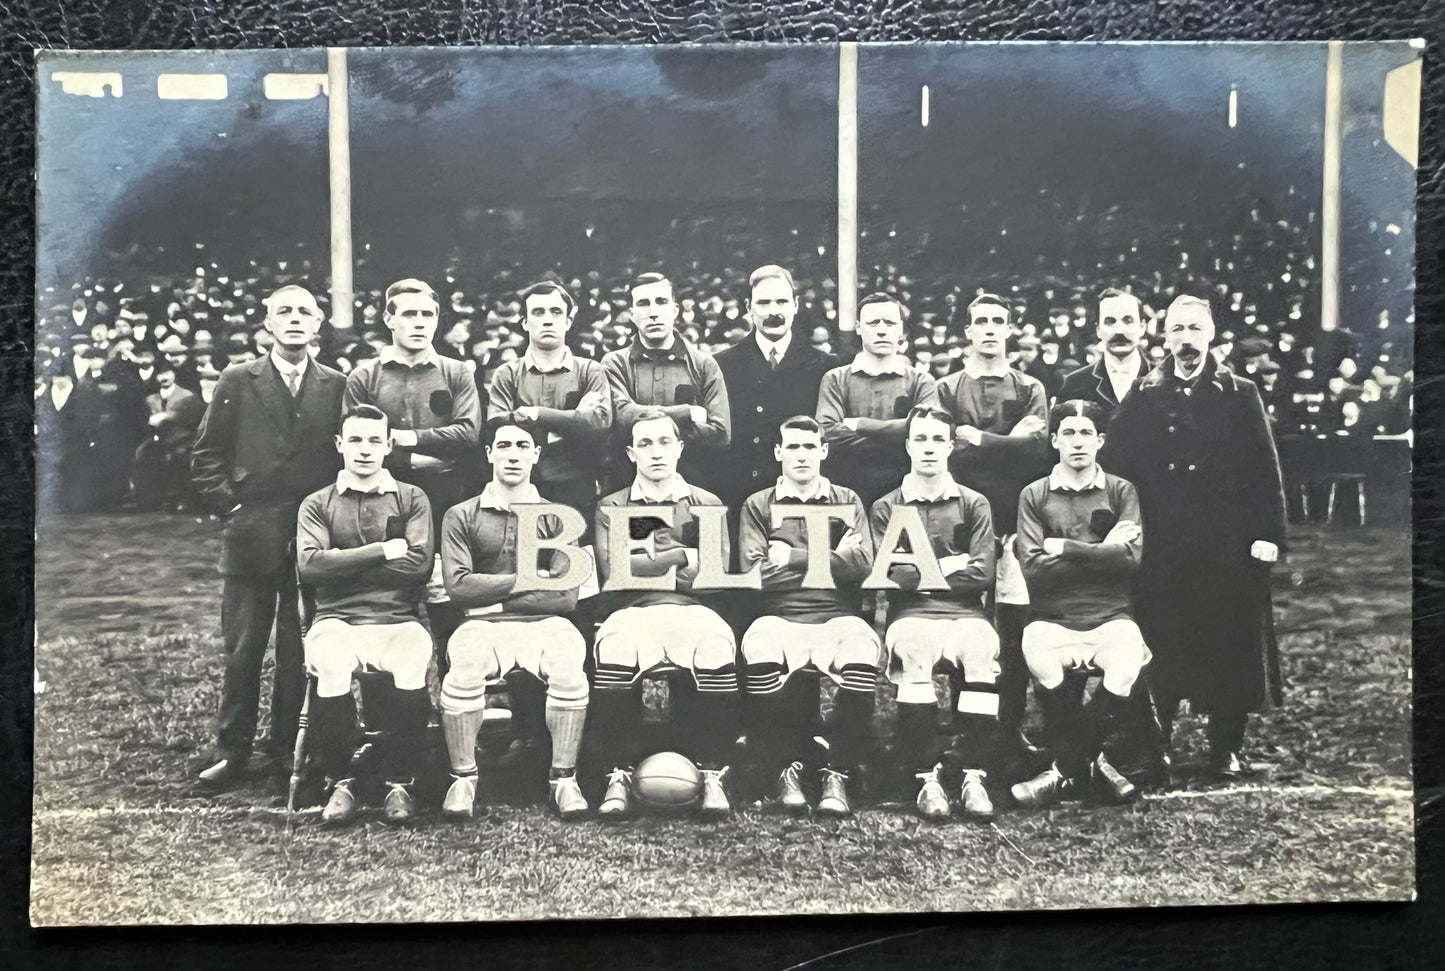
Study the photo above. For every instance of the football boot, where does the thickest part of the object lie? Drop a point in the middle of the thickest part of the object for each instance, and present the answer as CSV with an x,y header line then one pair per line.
x,y
973,796
834,801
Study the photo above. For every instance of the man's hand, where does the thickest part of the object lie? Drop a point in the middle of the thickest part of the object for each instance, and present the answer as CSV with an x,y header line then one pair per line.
x,y
1028,426
1125,531
1264,551
968,434
955,563
1054,546
393,549
403,438
779,552
420,463
529,413
851,424
698,415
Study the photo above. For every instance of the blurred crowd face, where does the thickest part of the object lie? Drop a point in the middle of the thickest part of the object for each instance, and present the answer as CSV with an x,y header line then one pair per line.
x,y
546,320
988,330
1188,330
880,328
293,318
773,307
412,318
654,311
1121,325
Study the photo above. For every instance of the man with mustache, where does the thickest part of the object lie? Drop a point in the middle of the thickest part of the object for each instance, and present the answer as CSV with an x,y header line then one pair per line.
x,y
1195,441
1121,330
770,377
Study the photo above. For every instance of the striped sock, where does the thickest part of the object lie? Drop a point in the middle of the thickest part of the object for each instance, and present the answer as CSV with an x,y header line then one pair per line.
x,y
460,730
565,724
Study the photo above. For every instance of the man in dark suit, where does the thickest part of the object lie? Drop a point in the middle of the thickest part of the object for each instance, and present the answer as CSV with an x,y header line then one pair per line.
x,y
159,476
771,376
67,415
1108,380
266,442
1194,439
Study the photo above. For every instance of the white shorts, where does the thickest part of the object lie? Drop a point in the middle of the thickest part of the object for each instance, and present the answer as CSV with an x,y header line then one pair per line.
x,y
1115,648
917,644
689,636
1009,586
535,646
336,650
826,646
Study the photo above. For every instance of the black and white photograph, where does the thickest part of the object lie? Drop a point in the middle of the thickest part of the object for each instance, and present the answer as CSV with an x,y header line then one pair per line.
x,y
502,484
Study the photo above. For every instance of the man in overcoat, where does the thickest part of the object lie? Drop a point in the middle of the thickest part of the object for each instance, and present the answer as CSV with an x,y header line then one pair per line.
x,y
1195,441
266,442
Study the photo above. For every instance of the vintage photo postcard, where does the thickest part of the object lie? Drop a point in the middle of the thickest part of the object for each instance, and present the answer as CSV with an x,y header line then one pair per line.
x,y
491,484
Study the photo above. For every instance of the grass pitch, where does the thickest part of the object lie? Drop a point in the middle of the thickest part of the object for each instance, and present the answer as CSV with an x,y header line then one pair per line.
x,y
128,645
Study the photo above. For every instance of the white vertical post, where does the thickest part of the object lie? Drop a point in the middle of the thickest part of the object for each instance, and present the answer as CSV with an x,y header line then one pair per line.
x,y
1330,196
339,140
847,187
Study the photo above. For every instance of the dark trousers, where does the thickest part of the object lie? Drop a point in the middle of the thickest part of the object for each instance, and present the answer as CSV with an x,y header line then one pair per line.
x,y
249,606
1225,729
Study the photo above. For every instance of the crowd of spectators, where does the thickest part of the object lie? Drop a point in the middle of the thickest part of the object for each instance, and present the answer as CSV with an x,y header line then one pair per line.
x,y
126,366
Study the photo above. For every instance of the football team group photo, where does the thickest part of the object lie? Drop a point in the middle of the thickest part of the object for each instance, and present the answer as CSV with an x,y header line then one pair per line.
x,y
874,480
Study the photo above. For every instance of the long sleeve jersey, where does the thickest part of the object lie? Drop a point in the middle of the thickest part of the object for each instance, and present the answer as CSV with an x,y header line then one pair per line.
x,y
1088,583
957,521
851,558
436,398
339,536
872,458
683,534
574,406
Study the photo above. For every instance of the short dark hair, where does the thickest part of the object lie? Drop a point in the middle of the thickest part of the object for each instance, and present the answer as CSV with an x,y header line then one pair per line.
x,y
366,413
1078,408
507,420
651,414
649,278
804,423
992,299
1109,292
878,296
771,271
545,287
937,414
410,285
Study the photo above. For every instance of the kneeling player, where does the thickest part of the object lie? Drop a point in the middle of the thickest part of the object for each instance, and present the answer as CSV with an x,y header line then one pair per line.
x,y
935,617
365,546
652,628
802,627
506,630
1079,542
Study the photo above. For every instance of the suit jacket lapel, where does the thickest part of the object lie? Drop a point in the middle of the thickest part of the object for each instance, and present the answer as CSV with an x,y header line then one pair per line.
x,y
1106,387
269,389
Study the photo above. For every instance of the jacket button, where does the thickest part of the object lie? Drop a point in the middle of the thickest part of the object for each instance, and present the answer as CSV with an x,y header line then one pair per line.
x,y
755,473
1171,429
1171,466
760,409
1191,468
756,440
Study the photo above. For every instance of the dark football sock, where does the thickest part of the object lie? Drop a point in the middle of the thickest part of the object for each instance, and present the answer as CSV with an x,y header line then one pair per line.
x,y
975,746
614,724
1062,727
914,744
331,735
1013,679
768,716
714,715
405,740
1101,714
851,735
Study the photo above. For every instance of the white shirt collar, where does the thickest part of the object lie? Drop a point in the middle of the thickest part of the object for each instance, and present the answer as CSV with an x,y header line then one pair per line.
x,y
286,368
166,393
1057,483
1179,368
529,360
865,363
390,355
492,497
381,482
917,489
675,491
1129,366
786,490
767,345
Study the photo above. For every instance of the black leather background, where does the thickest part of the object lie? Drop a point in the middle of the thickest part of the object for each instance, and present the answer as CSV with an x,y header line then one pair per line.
x,y
1287,938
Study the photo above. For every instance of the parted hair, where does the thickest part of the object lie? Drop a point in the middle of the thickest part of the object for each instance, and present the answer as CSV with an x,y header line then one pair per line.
x,y
545,287
937,414
644,279
992,300
409,285
366,413
878,296
652,414
806,423
1078,408
497,422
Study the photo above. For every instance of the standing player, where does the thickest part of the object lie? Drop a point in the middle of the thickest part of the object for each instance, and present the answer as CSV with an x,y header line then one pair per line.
x,y
432,405
649,628
1195,441
267,441
565,397
364,544
661,370
1001,419
769,376
507,629
1121,331
940,622
863,406
803,626
1079,543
